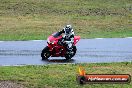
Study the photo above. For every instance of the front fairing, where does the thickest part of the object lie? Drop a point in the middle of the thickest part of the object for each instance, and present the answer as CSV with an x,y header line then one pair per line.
x,y
53,41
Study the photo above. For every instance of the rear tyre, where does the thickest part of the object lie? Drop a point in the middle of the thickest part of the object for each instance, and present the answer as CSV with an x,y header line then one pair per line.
x,y
45,54
69,55
74,50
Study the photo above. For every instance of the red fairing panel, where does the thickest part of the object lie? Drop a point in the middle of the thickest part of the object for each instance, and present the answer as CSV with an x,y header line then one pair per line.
x,y
76,39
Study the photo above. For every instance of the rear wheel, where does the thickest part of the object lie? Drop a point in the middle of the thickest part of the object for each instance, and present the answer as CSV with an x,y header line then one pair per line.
x,y
70,54
45,54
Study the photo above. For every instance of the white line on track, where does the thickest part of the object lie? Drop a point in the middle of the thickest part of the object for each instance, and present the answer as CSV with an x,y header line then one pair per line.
x,y
44,40
35,40
128,37
1,41
98,38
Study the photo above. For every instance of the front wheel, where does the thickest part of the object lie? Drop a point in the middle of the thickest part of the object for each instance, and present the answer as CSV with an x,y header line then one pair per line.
x,y
45,54
70,54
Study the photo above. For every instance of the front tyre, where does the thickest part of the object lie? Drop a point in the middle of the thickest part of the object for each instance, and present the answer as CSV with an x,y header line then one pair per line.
x,y
70,54
45,54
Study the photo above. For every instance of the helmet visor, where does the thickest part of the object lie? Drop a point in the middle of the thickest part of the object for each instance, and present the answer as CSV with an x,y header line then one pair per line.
x,y
67,30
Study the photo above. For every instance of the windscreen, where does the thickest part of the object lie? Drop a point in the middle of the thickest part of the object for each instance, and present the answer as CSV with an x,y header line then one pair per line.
x,y
57,34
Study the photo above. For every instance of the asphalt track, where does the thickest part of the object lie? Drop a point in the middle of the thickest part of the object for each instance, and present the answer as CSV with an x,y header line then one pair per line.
x,y
89,51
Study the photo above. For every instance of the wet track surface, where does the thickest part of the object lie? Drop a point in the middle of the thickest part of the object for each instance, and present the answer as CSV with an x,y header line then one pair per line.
x,y
89,51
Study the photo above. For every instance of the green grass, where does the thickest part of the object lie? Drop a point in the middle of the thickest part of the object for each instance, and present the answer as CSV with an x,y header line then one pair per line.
x,y
36,19
62,75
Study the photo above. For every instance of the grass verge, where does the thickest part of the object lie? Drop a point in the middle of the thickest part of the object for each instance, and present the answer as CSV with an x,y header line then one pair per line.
x,y
62,75
33,20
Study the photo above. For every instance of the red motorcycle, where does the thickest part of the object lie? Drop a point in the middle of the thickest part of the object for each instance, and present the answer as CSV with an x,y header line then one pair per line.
x,y
55,49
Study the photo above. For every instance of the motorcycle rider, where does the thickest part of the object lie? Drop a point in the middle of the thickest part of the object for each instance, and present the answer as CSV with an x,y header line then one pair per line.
x,y
67,37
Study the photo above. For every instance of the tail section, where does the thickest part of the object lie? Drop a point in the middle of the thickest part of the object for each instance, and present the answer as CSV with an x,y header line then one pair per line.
x,y
76,39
